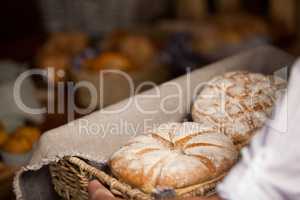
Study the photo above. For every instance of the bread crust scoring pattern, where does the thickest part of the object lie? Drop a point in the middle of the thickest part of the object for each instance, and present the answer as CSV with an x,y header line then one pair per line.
x,y
238,103
174,155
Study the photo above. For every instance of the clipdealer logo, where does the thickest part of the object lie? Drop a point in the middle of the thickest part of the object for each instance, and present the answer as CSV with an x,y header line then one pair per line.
x,y
172,97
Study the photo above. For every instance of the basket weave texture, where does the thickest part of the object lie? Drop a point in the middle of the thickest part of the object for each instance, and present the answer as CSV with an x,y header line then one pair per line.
x,y
70,177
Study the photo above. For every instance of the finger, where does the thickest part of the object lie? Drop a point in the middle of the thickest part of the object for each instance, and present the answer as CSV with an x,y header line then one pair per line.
x,y
98,192
93,186
214,197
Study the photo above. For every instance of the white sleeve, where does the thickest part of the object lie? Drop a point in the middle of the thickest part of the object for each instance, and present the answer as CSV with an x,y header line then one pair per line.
x,y
270,167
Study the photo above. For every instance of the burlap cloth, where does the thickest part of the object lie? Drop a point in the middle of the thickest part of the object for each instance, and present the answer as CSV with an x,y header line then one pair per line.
x,y
82,137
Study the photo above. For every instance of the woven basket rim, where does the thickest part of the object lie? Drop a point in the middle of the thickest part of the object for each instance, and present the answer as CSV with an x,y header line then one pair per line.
x,y
118,187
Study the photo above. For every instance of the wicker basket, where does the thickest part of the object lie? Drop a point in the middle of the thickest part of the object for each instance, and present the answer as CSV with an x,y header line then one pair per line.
x,y
70,177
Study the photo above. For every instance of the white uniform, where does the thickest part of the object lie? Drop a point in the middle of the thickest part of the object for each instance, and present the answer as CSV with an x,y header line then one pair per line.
x,y
270,166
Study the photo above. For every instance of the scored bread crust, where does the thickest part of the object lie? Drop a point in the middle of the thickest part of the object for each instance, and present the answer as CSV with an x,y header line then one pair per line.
x,y
175,155
237,103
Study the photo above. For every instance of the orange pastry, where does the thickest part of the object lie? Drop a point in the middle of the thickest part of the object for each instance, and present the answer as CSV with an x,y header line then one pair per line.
x,y
57,61
71,42
3,137
17,145
30,133
110,60
59,50
137,48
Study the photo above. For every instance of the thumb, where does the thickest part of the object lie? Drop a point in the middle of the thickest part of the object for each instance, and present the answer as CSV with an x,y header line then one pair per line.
x,y
98,192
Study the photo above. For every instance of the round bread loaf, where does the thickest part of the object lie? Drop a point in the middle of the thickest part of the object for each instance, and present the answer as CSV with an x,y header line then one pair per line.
x,y
175,155
237,103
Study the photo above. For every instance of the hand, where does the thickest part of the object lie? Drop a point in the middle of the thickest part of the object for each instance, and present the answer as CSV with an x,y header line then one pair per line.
x,y
98,192
214,197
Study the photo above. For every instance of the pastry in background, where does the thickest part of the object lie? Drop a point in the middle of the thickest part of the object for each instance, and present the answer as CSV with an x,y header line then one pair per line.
x,y
30,133
222,32
58,51
66,42
57,60
22,140
17,148
109,60
111,40
17,145
3,137
137,47
225,31
73,42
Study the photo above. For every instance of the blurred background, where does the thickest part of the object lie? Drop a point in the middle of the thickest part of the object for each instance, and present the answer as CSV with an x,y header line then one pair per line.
x,y
150,40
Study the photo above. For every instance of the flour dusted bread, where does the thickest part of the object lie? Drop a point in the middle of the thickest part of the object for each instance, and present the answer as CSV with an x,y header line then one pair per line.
x,y
175,155
237,103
